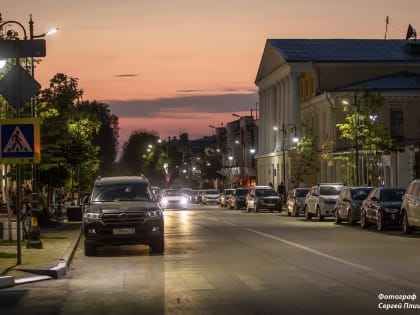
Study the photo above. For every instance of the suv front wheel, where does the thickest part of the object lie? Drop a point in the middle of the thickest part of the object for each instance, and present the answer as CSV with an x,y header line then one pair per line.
x,y
308,215
157,246
90,249
406,228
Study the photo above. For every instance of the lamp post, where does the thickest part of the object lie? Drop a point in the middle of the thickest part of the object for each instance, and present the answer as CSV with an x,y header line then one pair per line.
x,y
356,135
292,128
14,35
24,48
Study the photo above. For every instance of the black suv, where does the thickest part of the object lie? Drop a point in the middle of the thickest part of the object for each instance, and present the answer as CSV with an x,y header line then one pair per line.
x,y
123,211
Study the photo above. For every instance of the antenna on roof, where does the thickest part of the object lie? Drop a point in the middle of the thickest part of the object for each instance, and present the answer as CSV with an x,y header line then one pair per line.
x,y
386,25
411,32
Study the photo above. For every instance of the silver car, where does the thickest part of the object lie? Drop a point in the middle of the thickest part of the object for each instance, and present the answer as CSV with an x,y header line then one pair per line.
x,y
410,208
296,201
320,201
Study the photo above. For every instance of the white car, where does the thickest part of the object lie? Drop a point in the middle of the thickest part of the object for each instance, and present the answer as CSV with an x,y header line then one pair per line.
x,y
174,199
210,196
320,200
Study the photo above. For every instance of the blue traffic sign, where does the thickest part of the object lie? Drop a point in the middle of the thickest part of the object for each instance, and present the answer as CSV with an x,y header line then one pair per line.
x,y
19,139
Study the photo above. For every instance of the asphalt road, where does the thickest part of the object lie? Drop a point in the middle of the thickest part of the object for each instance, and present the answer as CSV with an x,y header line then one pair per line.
x,y
220,261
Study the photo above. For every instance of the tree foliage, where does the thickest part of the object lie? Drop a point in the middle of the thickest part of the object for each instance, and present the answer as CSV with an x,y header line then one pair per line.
x,y
361,118
303,154
106,136
66,134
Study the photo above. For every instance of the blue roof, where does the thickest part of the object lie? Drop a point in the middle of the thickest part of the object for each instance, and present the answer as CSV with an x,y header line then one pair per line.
x,y
343,50
398,81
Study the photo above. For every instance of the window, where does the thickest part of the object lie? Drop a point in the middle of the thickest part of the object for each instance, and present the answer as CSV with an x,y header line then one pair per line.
x,y
397,124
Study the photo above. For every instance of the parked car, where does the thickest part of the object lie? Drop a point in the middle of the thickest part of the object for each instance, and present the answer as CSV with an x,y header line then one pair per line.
x,y
210,196
263,197
410,208
122,211
238,198
174,199
382,207
296,201
320,201
224,197
349,204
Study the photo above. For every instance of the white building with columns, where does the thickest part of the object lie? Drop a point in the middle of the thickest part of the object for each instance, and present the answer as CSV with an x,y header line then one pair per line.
x,y
300,81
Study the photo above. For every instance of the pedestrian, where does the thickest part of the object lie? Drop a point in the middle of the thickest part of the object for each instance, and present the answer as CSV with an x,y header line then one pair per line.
x,y
281,190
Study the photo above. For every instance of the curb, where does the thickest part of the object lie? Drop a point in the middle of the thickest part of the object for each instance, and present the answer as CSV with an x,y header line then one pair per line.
x,y
58,271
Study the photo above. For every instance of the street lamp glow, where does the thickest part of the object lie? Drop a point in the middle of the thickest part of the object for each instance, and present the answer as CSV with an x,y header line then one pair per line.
x,y
345,102
2,63
295,139
51,31
252,151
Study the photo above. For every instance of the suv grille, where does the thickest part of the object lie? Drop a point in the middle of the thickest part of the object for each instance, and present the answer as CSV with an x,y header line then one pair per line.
x,y
123,218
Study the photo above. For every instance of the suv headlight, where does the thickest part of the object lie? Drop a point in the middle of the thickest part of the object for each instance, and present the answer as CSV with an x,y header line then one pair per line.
x,y
164,201
154,213
92,214
184,202
91,217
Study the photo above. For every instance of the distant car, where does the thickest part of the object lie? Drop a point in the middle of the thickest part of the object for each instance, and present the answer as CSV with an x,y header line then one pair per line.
x,y
122,211
296,201
210,196
410,208
320,200
238,198
349,204
382,207
263,197
224,197
174,199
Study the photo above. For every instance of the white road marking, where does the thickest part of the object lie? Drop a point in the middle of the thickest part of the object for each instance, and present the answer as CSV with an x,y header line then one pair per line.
x,y
313,251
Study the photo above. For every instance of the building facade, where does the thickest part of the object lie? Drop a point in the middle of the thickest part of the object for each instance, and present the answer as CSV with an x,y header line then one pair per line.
x,y
301,85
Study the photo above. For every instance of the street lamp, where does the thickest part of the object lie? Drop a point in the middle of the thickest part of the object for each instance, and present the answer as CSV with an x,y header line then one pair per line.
x,y
293,129
356,136
30,51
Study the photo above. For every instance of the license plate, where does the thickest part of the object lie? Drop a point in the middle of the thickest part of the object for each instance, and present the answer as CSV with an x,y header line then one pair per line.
x,y
123,231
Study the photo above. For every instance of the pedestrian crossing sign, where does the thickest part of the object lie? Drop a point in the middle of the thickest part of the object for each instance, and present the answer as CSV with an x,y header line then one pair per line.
x,y
20,141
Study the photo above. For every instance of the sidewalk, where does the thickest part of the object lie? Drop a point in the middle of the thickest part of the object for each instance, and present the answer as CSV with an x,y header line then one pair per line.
x,y
59,242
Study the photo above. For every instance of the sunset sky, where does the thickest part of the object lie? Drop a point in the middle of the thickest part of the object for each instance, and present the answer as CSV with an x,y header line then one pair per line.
x,y
181,65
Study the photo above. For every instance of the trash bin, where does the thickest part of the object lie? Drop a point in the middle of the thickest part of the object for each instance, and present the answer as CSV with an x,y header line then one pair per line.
x,y
74,213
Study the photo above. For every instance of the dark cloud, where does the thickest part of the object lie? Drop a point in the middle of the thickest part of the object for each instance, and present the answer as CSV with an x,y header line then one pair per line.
x,y
126,75
163,107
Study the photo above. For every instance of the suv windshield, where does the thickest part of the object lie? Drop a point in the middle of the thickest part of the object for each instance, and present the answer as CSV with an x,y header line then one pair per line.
x,y
173,193
360,194
330,190
211,192
121,191
392,194
241,192
265,192
301,192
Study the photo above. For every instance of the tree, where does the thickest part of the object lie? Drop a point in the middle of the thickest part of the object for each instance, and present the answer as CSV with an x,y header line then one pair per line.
x,y
303,155
135,158
210,165
106,137
372,134
66,133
